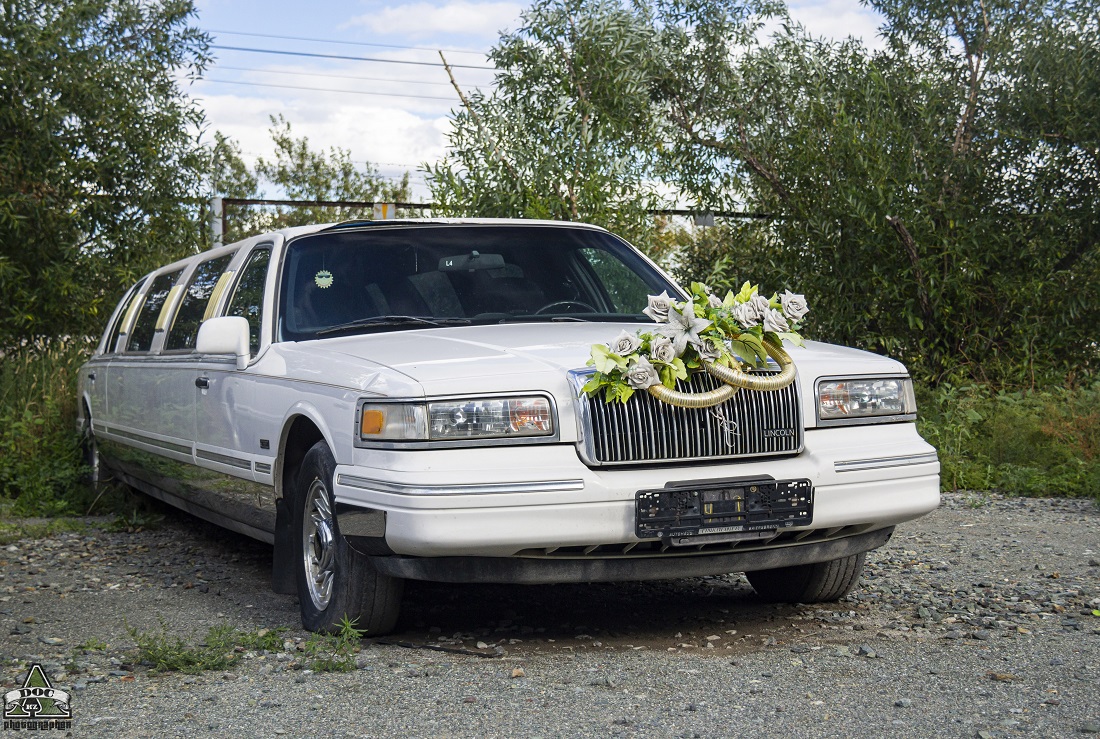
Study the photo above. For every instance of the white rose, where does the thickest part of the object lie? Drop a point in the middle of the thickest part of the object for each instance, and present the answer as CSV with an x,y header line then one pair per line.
x,y
708,350
658,307
775,322
641,374
745,314
761,305
714,301
661,350
794,306
625,344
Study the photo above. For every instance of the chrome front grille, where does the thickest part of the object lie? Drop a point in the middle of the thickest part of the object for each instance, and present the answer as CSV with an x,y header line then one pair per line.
x,y
645,430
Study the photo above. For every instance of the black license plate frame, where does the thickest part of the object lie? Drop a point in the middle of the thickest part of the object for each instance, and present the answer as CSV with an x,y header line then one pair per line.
x,y
722,511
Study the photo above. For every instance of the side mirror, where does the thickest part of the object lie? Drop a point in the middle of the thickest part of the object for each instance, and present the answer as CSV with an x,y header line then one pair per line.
x,y
225,335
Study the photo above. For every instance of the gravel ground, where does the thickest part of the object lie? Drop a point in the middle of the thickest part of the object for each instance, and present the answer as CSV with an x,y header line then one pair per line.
x,y
976,621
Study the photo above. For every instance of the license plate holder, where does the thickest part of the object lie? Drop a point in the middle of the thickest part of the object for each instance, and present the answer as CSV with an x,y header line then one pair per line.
x,y
721,512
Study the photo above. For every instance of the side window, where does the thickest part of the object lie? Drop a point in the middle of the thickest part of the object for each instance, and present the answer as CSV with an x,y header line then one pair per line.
x,y
628,292
185,329
141,335
127,301
248,295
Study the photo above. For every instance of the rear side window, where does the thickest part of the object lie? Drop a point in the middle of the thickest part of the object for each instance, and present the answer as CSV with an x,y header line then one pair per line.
x,y
185,329
141,335
248,295
127,301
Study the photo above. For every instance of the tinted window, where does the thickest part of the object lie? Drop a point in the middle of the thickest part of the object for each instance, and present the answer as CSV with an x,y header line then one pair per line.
x,y
141,335
248,295
452,274
112,337
185,328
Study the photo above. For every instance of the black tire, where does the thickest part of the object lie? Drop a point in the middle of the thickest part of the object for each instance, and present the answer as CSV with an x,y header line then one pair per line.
x,y
89,453
819,582
355,589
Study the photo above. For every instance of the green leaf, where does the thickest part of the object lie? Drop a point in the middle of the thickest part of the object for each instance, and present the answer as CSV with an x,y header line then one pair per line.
x,y
593,385
757,355
730,300
747,291
792,337
606,361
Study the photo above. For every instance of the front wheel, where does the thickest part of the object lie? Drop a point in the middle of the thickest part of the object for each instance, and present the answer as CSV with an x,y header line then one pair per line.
x,y
819,582
334,580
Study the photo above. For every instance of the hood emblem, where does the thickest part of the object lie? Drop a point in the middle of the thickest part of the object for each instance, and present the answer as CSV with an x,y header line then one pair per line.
x,y
728,426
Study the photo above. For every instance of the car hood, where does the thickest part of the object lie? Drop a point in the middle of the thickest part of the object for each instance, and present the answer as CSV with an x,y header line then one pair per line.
x,y
504,357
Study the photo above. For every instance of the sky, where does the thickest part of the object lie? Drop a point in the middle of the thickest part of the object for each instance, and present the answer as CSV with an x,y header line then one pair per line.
x,y
388,112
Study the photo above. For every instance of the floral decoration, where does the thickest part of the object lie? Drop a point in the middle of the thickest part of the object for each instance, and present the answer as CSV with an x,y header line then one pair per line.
x,y
706,328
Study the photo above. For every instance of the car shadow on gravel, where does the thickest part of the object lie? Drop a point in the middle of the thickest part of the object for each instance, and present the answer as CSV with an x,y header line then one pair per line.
x,y
704,613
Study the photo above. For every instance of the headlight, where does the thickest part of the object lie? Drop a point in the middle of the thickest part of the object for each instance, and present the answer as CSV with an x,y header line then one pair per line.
x,y
865,400
468,418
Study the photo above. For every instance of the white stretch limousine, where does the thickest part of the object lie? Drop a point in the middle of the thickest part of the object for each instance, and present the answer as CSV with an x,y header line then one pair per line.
x,y
403,399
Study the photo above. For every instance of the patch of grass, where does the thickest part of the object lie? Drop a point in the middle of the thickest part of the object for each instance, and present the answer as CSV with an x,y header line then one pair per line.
x,y
221,649
15,529
335,652
41,465
1038,443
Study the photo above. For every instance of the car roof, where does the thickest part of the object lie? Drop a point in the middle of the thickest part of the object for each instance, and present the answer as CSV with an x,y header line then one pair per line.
x,y
295,231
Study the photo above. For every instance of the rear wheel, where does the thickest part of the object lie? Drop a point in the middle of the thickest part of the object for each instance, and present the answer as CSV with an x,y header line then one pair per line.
x,y
89,452
334,580
812,583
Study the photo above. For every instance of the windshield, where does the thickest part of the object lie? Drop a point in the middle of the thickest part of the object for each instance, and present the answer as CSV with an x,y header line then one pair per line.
x,y
405,277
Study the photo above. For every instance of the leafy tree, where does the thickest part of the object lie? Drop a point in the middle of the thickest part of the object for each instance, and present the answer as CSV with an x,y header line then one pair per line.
x,y
938,200
297,172
98,165
567,133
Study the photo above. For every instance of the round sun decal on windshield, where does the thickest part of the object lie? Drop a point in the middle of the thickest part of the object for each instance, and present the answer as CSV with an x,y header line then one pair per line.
x,y
323,279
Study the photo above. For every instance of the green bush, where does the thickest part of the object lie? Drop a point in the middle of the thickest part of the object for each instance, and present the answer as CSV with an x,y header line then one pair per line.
x,y
1036,442
41,466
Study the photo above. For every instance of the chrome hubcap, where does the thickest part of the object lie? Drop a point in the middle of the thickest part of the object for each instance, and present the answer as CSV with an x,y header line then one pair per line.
x,y
319,545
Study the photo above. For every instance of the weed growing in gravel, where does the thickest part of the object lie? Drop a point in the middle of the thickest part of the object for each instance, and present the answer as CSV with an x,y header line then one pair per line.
x,y
92,645
335,652
221,650
136,520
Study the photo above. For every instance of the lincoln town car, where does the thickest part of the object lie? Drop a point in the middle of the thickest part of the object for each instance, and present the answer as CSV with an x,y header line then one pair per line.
x,y
422,399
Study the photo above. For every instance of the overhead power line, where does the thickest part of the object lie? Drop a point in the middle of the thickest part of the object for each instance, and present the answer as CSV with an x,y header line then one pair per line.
x,y
345,43
334,76
325,89
347,58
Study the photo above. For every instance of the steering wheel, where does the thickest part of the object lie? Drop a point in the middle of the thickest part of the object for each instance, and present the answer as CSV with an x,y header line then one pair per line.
x,y
562,303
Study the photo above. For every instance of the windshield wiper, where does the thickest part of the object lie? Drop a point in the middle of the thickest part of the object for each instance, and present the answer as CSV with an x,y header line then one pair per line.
x,y
385,321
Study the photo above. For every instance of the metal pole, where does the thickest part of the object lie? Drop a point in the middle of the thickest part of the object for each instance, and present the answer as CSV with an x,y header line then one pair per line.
x,y
217,221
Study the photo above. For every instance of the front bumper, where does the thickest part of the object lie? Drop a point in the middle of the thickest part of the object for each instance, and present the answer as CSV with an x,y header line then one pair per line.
x,y
534,571
500,501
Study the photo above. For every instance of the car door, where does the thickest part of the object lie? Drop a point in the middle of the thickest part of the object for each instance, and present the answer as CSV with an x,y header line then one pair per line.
x,y
227,443
143,413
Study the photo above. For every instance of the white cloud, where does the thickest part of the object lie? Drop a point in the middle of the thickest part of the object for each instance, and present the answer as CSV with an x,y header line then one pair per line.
x,y
482,20
839,19
389,136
